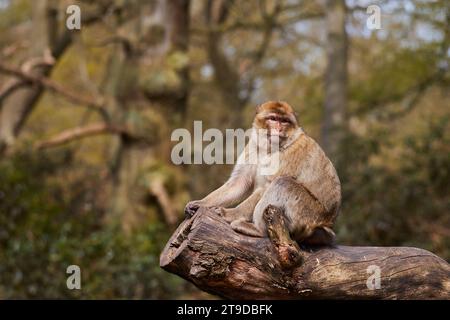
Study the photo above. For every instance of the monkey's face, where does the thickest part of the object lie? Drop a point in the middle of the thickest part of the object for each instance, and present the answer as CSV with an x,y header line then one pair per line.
x,y
277,118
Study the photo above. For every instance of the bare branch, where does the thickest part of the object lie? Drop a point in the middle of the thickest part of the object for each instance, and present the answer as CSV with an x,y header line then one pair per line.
x,y
81,132
407,98
15,110
159,191
220,25
97,104
9,88
26,67
46,60
12,49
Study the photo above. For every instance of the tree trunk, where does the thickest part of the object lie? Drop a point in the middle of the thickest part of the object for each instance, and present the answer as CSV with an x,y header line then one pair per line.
x,y
226,76
207,252
335,77
151,91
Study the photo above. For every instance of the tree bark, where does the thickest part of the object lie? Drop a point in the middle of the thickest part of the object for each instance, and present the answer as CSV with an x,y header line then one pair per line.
x,y
207,252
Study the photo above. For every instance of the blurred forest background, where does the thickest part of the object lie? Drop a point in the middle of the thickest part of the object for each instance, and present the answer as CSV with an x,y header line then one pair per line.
x,y
86,117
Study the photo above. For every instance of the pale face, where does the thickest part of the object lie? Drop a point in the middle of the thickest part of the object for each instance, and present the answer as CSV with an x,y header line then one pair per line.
x,y
278,125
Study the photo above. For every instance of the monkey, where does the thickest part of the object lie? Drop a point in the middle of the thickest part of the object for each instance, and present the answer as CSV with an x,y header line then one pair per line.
x,y
305,185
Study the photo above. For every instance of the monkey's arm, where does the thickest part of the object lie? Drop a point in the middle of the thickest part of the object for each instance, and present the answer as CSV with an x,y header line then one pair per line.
x,y
238,187
233,191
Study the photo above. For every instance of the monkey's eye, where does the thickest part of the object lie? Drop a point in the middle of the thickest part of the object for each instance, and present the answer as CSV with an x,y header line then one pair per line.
x,y
272,118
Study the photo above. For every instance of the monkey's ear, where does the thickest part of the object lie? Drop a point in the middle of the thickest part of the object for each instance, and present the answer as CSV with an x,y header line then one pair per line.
x,y
258,109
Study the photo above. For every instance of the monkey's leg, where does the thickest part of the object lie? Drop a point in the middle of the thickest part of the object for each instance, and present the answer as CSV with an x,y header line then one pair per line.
x,y
304,214
245,209
246,228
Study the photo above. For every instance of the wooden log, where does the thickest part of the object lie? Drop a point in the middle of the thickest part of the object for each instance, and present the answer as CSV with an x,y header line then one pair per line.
x,y
207,252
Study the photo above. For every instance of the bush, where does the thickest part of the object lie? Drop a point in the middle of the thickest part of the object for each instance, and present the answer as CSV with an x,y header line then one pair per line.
x,y
40,236
406,206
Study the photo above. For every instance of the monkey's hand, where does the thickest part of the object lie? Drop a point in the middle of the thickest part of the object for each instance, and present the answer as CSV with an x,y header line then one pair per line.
x,y
191,208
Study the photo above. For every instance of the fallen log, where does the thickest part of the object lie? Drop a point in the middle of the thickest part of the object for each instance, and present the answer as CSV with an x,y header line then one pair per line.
x,y
207,252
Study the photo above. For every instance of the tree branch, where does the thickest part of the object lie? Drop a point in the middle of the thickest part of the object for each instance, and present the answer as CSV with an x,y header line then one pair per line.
x,y
157,189
16,109
207,252
260,25
9,88
79,133
96,104
46,60
408,98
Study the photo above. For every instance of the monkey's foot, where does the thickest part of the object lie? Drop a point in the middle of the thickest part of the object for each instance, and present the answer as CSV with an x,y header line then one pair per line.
x,y
246,228
220,211
226,214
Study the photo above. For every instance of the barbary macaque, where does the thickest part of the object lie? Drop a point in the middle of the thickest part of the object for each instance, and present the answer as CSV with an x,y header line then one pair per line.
x,y
305,184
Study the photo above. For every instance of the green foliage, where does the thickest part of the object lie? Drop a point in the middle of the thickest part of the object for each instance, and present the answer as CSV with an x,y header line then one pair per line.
x,y
40,237
391,75
405,206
